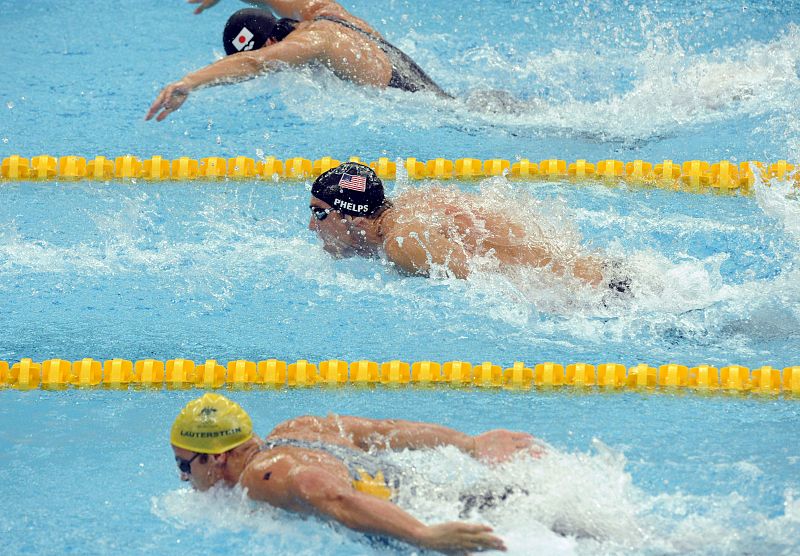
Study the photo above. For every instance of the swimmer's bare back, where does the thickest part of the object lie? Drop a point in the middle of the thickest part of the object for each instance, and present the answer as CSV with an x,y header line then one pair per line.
x,y
449,228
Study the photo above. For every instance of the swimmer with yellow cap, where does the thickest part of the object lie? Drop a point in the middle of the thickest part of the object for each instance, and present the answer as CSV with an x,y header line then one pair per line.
x,y
327,466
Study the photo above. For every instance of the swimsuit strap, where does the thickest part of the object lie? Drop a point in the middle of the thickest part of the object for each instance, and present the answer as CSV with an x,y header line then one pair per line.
x,y
380,42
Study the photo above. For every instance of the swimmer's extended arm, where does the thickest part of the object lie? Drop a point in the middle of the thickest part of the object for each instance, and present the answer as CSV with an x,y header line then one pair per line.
x,y
234,68
333,497
396,434
295,9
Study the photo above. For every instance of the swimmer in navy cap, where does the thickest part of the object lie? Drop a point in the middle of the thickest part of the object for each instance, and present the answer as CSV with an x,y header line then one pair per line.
x,y
306,32
336,467
442,228
353,195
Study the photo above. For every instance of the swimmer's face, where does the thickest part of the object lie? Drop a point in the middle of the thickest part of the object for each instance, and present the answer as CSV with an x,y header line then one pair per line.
x,y
203,470
339,237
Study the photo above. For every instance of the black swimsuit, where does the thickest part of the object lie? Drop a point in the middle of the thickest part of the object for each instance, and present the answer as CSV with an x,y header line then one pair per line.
x,y
406,74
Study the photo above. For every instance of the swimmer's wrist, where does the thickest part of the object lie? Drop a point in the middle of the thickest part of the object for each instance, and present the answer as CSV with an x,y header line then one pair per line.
x,y
423,536
189,83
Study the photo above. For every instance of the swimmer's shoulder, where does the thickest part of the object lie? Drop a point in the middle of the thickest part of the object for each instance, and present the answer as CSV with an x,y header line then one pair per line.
x,y
267,478
324,8
431,204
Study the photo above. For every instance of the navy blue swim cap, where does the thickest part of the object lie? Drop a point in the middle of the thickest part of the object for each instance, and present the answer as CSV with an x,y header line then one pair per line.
x,y
251,28
351,188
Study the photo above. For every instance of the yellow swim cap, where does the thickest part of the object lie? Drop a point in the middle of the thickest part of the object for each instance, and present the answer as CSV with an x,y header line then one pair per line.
x,y
211,424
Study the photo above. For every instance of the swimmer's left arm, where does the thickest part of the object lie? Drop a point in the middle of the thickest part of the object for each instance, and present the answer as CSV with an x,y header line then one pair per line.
x,y
395,434
284,8
236,67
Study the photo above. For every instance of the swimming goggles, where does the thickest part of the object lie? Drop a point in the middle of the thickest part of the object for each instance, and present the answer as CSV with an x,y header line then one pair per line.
x,y
320,213
185,465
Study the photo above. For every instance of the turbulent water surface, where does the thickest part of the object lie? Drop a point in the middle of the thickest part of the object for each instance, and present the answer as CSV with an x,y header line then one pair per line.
x,y
228,270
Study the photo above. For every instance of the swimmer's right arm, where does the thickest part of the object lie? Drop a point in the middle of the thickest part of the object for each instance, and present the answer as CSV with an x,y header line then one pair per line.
x,y
233,68
333,497
283,8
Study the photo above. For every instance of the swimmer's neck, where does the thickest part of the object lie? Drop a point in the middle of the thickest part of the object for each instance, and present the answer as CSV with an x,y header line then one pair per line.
x,y
376,232
241,459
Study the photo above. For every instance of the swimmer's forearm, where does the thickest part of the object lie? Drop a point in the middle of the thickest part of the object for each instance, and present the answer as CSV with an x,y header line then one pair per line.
x,y
369,514
266,4
333,497
228,70
291,8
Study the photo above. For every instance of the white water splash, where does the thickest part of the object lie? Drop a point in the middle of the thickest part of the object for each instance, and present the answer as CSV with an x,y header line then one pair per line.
x,y
572,504
780,200
675,89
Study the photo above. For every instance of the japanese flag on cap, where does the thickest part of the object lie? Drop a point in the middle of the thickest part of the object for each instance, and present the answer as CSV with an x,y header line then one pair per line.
x,y
244,40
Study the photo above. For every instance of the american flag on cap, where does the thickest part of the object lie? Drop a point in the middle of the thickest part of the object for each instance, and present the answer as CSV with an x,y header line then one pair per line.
x,y
356,183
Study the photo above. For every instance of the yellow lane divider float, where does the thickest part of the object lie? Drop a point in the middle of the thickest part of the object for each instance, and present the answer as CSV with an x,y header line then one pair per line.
x,y
58,374
694,175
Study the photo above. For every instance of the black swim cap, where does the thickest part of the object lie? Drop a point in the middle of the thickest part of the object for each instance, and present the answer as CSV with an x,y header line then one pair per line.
x,y
251,28
351,188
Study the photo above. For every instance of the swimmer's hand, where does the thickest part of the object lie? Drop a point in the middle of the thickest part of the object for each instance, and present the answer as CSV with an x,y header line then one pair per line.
x,y
204,4
170,99
501,445
460,538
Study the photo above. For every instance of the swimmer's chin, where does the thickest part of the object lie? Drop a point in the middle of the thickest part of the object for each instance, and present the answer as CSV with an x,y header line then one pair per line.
x,y
339,252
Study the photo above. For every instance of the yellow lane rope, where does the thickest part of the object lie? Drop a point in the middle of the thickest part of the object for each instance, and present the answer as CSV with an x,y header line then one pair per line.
x,y
694,175
56,374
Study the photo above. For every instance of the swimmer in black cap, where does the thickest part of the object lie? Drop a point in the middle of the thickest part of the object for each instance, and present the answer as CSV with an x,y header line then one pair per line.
x,y
436,227
309,31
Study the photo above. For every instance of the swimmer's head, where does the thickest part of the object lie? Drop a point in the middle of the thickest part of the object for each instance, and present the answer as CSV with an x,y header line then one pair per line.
x,y
211,424
251,28
353,189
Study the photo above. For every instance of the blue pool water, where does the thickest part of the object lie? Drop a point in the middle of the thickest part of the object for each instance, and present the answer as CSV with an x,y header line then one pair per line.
x,y
227,270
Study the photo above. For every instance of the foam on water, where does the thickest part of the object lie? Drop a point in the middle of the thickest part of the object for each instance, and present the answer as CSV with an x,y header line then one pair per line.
x,y
671,89
572,504
230,242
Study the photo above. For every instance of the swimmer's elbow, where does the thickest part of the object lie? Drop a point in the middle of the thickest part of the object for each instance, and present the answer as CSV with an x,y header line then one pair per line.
x,y
320,490
257,64
460,270
341,504
357,511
